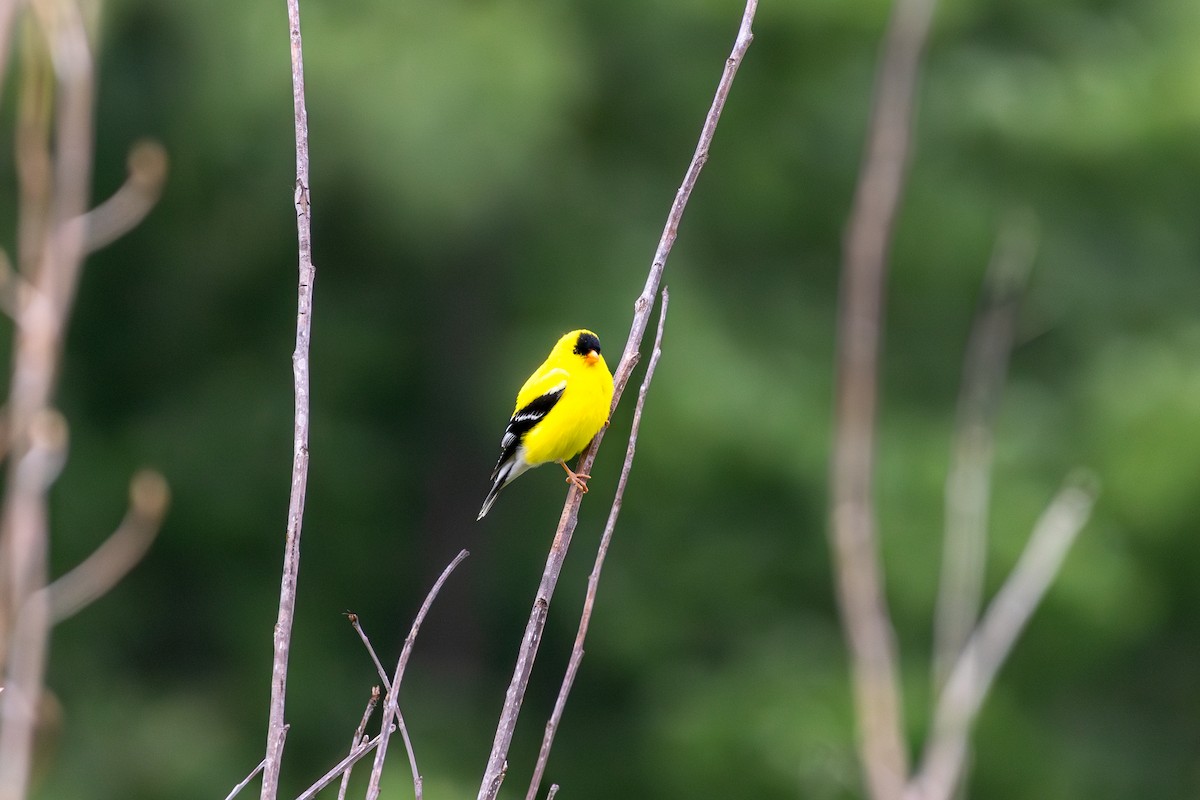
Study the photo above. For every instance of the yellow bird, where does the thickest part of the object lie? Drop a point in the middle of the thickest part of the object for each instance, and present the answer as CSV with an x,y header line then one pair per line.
x,y
562,406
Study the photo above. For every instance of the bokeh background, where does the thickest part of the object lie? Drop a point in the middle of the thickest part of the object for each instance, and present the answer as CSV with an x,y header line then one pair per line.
x,y
487,174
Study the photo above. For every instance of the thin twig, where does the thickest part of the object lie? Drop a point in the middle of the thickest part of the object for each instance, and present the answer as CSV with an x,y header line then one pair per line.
x,y
594,579
968,482
990,644
129,205
383,676
391,710
299,484
865,617
99,572
494,771
387,685
246,781
339,768
418,779
359,739
553,791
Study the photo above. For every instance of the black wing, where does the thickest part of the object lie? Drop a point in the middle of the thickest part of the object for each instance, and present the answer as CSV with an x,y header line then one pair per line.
x,y
522,421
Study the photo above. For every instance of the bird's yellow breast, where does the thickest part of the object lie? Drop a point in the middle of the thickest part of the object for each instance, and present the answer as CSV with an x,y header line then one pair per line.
x,y
578,415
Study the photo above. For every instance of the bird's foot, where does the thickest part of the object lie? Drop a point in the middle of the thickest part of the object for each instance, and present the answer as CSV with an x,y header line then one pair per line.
x,y
576,478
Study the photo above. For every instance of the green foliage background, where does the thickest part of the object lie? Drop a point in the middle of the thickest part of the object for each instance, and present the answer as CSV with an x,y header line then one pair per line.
x,y
486,175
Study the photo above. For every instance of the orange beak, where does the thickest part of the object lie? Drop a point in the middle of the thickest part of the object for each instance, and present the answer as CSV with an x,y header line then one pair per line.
x,y
591,358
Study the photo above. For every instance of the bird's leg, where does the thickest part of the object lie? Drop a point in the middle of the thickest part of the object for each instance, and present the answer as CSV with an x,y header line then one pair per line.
x,y
577,478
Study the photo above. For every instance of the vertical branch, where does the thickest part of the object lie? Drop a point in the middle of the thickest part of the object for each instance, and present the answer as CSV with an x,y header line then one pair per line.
x,y
37,433
968,482
593,584
494,771
865,617
291,553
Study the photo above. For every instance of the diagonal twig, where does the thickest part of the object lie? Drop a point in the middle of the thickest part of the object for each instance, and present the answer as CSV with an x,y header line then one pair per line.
x,y
339,768
387,685
989,645
246,781
594,579
282,641
359,739
855,549
99,572
391,710
968,481
357,625
494,771
129,205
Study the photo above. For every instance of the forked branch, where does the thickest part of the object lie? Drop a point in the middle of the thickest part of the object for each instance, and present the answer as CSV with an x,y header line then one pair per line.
x,y
989,645
391,708
494,771
602,552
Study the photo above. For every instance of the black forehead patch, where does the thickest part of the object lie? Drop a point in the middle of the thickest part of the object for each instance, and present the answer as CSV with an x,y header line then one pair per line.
x,y
586,343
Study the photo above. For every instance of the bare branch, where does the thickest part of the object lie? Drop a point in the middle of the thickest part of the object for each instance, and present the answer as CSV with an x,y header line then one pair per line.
x,y
493,775
968,482
387,685
990,644
553,791
865,617
52,193
594,579
246,781
299,485
391,709
359,739
338,769
148,500
418,780
122,212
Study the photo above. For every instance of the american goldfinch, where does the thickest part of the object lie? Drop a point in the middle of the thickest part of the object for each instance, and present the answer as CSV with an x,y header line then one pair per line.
x,y
560,408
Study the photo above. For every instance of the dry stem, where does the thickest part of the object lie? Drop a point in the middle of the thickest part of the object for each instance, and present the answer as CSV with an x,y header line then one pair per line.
x,y
109,563
291,554
855,549
495,769
359,739
990,643
246,781
594,579
130,204
391,709
387,685
54,191
968,482
338,769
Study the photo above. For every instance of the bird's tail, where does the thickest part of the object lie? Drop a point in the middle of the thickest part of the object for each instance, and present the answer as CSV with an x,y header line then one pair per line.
x,y
500,479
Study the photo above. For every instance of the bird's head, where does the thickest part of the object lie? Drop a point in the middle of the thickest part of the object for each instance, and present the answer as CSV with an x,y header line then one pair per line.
x,y
582,343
